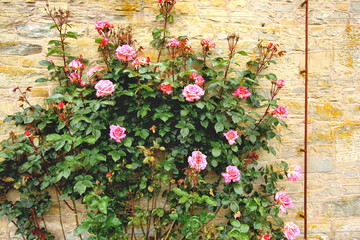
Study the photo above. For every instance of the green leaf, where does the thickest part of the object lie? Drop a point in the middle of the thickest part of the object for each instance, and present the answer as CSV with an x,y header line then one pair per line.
x,y
90,139
80,187
219,127
158,211
103,206
184,132
234,206
83,227
244,228
210,201
216,152
238,188
235,223
252,138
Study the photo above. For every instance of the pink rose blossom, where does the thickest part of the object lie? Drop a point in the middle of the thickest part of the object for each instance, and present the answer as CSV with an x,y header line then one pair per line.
x,y
173,43
284,200
49,60
82,83
27,132
266,237
242,92
74,77
104,88
232,174
166,88
140,61
231,136
280,112
93,70
193,76
76,64
197,160
61,104
125,53
237,214
208,44
117,133
103,25
104,42
280,83
291,231
294,173
193,92
199,80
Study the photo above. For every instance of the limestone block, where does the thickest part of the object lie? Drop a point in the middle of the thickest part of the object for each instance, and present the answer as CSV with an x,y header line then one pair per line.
x,y
34,31
18,48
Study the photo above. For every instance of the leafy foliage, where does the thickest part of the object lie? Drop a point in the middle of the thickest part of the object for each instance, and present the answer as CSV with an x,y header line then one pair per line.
x,y
67,145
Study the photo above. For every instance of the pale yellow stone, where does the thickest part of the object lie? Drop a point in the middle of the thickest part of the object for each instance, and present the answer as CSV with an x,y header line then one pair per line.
x,y
342,6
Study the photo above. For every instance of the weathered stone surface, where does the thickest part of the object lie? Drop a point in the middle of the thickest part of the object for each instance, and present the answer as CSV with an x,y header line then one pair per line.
x,y
34,31
320,164
20,48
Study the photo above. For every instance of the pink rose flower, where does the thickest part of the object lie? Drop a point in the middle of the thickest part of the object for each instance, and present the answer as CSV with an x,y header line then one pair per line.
x,y
284,200
104,42
197,160
294,173
61,104
199,80
103,25
93,70
166,88
242,92
280,83
280,112
237,214
27,132
193,92
208,44
173,43
104,88
193,76
117,133
140,61
49,60
74,77
291,231
232,174
76,64
82,83
231,136
125,53
266,237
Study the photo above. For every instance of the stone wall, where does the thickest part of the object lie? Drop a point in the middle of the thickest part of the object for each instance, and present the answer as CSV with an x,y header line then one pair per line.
x,y
334,119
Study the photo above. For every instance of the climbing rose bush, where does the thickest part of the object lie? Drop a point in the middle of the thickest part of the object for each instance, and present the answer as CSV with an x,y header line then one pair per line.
x,y
154,149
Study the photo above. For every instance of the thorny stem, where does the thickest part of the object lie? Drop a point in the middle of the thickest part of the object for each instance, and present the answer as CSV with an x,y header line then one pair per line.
x,y
17,226
163,40
149,222
76,217
274,92
172,224
60,215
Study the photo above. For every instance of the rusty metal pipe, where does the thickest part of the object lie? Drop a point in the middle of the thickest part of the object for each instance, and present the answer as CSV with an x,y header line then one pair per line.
x,y
306,3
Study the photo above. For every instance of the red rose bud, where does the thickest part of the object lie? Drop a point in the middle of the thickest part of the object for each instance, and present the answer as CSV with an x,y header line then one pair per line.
x,y
109,174
61,104
27,133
